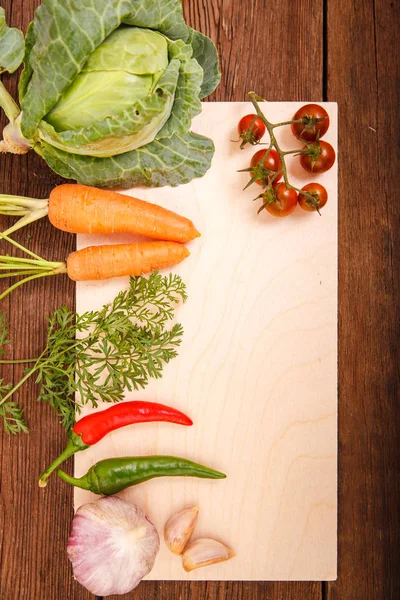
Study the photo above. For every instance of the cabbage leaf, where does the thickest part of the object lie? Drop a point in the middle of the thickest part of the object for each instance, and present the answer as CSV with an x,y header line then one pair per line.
x,y
12,46
110,88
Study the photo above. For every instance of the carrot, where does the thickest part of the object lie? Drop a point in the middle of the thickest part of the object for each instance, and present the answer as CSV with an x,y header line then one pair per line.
x,y
119,260
94,262
80,209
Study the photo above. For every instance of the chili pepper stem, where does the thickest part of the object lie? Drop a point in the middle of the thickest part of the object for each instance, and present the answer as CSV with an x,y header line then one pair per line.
x,y
81,482
74,445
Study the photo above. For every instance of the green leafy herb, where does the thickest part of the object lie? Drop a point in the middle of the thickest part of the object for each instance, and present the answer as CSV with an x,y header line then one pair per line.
x,y
100,354
9,410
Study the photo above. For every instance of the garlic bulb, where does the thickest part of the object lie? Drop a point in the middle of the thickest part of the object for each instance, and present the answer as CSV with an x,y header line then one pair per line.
x,y
179,529
112,546
203,552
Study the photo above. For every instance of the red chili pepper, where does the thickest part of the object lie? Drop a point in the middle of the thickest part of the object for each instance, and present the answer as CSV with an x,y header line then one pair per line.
x,y
94,427
91,429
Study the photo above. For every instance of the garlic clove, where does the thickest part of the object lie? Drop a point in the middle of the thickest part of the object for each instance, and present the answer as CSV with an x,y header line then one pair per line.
x,y
112,546
203,552
179,529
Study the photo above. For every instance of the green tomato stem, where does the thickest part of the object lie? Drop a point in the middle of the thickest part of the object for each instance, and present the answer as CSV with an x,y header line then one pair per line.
x,y
273,141
286,123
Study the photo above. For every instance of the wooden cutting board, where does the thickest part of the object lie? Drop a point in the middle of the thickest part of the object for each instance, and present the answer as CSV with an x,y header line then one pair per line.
x,y
257,370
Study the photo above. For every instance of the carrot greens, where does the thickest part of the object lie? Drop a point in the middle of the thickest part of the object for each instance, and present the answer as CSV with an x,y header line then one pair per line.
x,y
100,354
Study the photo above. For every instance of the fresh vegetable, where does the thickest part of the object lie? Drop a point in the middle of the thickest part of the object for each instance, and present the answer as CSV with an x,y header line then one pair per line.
x,y
109,90
91,429
285,201
268,166
112,546
11,46
251,129
265,167
317,157
279,200
94,262
179,528
319,197
113,475
82,209
310,123
204,552
122,260
100,354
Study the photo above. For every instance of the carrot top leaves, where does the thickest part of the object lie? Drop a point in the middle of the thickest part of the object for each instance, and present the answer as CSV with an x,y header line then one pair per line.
x,y
101,354
9,411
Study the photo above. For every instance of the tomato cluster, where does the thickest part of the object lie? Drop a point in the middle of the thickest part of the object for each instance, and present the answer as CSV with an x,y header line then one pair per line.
x,y
267,167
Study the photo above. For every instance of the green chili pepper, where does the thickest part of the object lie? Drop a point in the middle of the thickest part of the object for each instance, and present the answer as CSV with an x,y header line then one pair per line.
x,y
113,475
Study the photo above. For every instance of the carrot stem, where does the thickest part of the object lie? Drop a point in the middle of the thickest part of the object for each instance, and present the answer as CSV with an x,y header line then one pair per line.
x,y
34,268
27,218
14,243
20,273
31,278
20,266
6,258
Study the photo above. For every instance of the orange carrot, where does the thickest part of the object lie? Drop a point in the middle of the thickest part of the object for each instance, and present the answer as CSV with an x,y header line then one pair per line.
x,y
119,260
80,209
94,262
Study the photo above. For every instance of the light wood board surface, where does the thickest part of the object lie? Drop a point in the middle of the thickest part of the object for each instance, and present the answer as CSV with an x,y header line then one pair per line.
x,y
257,370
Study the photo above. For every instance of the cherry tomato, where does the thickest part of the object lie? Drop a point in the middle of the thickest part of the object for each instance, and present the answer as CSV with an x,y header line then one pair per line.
x,y
285,201
319,194
309,129
263,166
251,129
319,158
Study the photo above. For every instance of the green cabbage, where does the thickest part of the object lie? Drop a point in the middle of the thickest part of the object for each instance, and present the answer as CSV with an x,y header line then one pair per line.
x,y
109,91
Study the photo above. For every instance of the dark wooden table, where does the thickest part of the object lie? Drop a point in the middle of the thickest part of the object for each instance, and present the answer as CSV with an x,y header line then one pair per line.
x,y
342,50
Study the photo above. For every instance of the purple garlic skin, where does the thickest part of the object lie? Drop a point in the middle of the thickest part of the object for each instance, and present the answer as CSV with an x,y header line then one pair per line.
x,y
112,546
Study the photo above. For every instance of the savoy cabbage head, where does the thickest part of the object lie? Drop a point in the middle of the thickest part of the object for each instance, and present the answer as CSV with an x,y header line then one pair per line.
x,y
109,90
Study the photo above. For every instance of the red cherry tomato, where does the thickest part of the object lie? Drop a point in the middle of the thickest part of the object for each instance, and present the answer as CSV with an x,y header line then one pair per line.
x,y
318,200
310,128
251,129
264,167
319,158
285,201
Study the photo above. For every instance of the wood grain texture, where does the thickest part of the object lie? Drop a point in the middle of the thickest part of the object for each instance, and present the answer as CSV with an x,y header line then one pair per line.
x,y
360,53
362,77
256,370
45,572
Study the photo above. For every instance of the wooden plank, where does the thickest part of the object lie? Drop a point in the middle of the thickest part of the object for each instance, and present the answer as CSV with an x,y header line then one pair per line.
x,y
33,532
223,590
362,70
273,47
34,523
257,376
